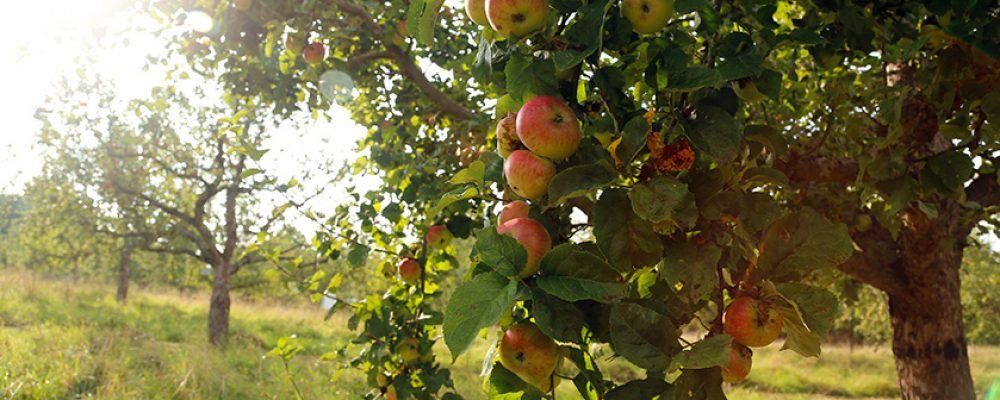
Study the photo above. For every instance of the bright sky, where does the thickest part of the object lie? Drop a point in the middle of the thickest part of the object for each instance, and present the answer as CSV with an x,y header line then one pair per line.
x,y
41,42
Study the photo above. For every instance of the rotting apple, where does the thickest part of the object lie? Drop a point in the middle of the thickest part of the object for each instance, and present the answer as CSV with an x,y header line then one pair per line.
x,y
438,237
751,322
507,140
512,210
531,355
528,174
548,127
409,271
516,17
533,237
648,16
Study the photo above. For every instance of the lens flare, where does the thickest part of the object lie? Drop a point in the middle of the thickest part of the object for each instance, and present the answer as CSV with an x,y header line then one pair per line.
x,y
200,21
336,86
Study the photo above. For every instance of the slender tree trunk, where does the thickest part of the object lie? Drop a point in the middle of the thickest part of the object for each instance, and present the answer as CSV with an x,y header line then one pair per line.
x,y
123,272
928,341
76,269
218,311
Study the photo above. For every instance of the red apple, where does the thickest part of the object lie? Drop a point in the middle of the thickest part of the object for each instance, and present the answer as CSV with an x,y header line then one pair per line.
x,y
531,355
408,350
517,17
390,393
513,210
438,237
476,10
527,174
409,271
507,140
740,359
314,53
532,236
648,16
751,322
548,127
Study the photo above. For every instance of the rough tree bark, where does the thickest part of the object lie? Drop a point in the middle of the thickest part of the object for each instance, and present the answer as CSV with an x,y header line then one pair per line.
x,y
218,311
123,272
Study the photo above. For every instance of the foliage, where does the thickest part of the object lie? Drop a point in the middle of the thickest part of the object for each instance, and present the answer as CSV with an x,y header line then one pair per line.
x,y
805,119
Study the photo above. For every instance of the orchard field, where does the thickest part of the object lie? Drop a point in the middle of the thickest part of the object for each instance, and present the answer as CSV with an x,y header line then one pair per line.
x,y
60,339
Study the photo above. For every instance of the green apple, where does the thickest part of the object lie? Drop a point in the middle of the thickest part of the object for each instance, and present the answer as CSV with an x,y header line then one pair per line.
x,y
531,355
408,350
648,16
517,17
438,237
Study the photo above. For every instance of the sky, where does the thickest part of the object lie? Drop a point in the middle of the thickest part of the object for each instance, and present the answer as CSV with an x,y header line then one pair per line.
x,y
41,41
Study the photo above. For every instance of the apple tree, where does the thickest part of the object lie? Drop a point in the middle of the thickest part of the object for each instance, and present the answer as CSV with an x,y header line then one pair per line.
x,y
705,163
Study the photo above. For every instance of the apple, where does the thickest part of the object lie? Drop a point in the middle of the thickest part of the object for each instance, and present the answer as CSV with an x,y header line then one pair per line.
x,y
438,237
548,127
513,210
751,322
648,16
381,378
516,17
527,174
740,359
390,393
532,236
408,350
531,355
314,53
295,42
409,271
507,140
242,5
476,10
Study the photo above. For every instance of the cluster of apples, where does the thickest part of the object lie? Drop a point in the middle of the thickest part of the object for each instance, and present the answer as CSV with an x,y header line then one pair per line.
x,y
297,42
751,322
520,17
437,237
543,131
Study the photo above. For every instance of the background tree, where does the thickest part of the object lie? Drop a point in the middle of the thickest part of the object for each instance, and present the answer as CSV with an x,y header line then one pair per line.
x,y
746,147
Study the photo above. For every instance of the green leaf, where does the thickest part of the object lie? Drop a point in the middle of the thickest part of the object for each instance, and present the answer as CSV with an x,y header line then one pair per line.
x,y
571,273
579,180
504,385
424,14
250,172
663,200
741,57
473,174
501,252
528,77
798,337
706,353
640,389
799,243
626,239
819,307
715,132
765,175
450,198
358,255
643,336
493,170
693,267
586,31
556,317
474,305
693,78
953,169
634,136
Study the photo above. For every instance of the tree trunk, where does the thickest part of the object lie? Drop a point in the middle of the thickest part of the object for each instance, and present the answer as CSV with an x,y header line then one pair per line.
x,y
218,311
76,269
123,271
928,340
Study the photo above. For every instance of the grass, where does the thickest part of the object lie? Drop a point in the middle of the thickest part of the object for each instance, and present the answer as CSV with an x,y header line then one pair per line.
x,y
63,340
